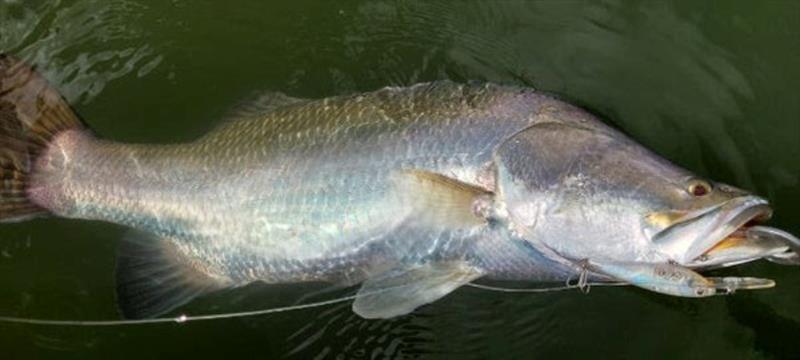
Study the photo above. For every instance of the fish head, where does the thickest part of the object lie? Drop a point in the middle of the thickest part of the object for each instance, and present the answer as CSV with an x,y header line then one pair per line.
x,y
589,192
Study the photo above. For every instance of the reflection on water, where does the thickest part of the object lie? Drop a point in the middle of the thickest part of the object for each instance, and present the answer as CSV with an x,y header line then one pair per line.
x,y
710,88
339,333
53,34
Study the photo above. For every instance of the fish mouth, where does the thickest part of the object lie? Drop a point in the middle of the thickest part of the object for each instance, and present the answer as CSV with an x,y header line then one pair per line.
x,y
741,216
694,240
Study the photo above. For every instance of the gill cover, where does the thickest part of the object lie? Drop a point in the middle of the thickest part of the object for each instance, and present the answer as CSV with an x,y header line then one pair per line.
x,y
583,190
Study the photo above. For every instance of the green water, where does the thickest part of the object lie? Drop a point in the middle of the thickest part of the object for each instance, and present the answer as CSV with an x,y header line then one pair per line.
x,y
712,86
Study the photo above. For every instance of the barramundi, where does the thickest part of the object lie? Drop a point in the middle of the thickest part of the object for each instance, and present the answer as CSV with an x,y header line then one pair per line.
x,y
409,192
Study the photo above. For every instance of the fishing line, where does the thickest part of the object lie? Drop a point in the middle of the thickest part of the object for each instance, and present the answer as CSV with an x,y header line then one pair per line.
x,y
543,290
179,319
187,318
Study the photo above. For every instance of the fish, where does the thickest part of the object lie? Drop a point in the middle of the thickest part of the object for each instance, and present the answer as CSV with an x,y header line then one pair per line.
x,y
408,193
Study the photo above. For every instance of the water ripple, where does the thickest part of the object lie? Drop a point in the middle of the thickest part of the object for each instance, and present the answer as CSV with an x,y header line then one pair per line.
x,y
338,333
62,37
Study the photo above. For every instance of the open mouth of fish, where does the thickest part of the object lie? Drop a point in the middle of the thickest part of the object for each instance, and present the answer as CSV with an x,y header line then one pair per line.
x,y
731,234
725,235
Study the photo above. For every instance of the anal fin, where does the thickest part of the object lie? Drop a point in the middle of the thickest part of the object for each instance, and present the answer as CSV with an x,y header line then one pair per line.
x,y
153,278
400,291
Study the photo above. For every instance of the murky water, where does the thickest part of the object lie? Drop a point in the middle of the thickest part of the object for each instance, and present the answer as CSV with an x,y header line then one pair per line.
x,y
711,87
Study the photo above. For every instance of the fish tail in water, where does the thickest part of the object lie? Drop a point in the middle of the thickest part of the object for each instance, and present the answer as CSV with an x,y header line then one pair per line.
x,y
32,115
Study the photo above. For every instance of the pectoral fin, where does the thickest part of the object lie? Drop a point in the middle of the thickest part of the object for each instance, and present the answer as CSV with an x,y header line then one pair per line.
x,y
438,200
400,291
674,279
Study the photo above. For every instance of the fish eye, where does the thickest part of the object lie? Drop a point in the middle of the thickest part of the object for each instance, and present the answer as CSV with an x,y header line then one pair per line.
x,y
700,291
699,188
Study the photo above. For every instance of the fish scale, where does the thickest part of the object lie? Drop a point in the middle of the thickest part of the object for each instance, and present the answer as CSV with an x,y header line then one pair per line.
x,y
363,158
410,192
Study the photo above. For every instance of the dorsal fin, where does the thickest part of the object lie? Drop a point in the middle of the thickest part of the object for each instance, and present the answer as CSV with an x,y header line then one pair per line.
x,y
262,103
153,277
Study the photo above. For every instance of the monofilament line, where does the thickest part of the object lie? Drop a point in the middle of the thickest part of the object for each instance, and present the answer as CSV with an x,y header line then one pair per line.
x,y
540,290
178,320
242,314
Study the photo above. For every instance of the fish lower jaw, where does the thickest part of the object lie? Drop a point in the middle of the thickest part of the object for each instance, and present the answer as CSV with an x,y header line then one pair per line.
x,y
732,240
749,212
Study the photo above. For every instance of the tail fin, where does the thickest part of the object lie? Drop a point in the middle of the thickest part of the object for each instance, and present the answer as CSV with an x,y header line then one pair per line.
x,y
31,114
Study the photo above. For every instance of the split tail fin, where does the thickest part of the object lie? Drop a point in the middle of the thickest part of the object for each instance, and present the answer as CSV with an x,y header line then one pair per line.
x,y
31,114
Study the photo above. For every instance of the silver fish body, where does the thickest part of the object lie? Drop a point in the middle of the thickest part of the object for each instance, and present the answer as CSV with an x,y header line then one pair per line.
x,y
304,191
411,192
